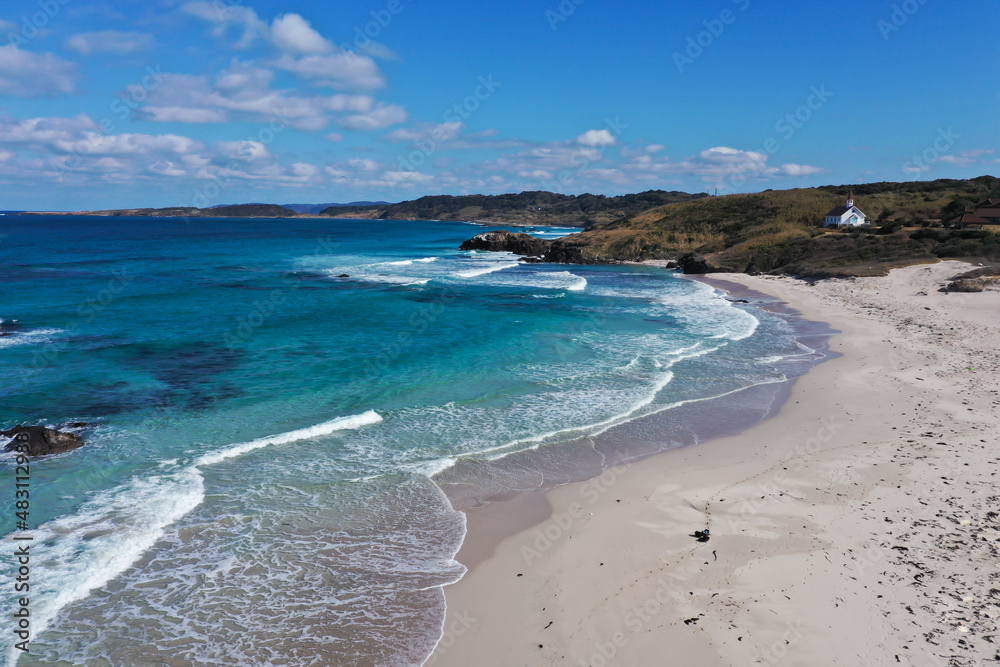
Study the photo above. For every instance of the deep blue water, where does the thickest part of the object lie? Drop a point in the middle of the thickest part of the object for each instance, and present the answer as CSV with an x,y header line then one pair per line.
x,y
257,484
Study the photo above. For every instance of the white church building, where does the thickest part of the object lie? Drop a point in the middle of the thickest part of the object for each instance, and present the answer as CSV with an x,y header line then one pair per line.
x,y
849,215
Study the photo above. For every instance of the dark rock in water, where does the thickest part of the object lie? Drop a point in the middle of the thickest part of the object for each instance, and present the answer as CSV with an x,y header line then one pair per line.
x,y
562,251
41,441
737,301
506,241
695,263
671,264
343,275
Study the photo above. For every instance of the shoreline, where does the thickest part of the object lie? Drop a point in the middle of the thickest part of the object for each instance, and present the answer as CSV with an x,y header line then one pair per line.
x,y
814,550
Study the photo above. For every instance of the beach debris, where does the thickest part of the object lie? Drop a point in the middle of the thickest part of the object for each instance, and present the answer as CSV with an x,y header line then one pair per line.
x,y
701,535
344,275
41,441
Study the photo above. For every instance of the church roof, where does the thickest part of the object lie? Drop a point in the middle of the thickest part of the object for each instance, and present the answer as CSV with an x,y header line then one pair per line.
x,y
838,212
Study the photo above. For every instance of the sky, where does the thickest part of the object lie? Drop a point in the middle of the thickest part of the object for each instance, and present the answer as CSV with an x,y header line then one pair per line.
x,y
134,103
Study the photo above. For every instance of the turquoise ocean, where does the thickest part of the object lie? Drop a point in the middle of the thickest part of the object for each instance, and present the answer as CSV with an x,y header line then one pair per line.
x,y
284,419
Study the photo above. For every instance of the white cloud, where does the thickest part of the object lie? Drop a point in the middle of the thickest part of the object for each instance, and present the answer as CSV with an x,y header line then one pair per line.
x,y
9,26
41,134
655,148
800,170
966,159
244,89
293,33
110,41
596,138
27,74
363,164
95,143
379,50
304,170
167,168
249,151
405,178
536,173
428,132
6,155
184,115
226,15
381,116
334,136
344,69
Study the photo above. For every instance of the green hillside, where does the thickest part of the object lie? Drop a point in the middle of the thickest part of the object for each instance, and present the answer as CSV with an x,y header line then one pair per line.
x,y
780,230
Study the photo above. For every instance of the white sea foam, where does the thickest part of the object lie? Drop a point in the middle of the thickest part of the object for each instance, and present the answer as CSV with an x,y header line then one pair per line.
x,y
578,285
473,273
78,553
319,430
431,468
75,554
28,337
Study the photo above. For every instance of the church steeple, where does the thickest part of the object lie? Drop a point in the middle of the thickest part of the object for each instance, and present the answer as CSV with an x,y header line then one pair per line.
x,y
850,199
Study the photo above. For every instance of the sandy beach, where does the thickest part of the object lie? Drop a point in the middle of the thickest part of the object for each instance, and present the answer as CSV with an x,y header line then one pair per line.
x,y
858,526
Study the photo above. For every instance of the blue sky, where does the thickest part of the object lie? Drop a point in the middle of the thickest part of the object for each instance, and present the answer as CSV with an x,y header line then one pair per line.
x,y
128,103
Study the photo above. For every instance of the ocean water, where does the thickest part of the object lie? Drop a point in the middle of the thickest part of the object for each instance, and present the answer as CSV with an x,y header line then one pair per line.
x,y
286,416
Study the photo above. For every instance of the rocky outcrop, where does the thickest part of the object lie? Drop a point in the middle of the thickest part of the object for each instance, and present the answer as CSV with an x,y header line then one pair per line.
x,y
692,262
972,285
506,241
41,441
562,252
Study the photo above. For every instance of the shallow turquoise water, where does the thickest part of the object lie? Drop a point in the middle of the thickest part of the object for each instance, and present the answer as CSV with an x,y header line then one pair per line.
x,y
257,484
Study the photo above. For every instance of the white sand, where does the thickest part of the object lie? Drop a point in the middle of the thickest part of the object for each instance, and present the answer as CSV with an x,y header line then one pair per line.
x,y
850,529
